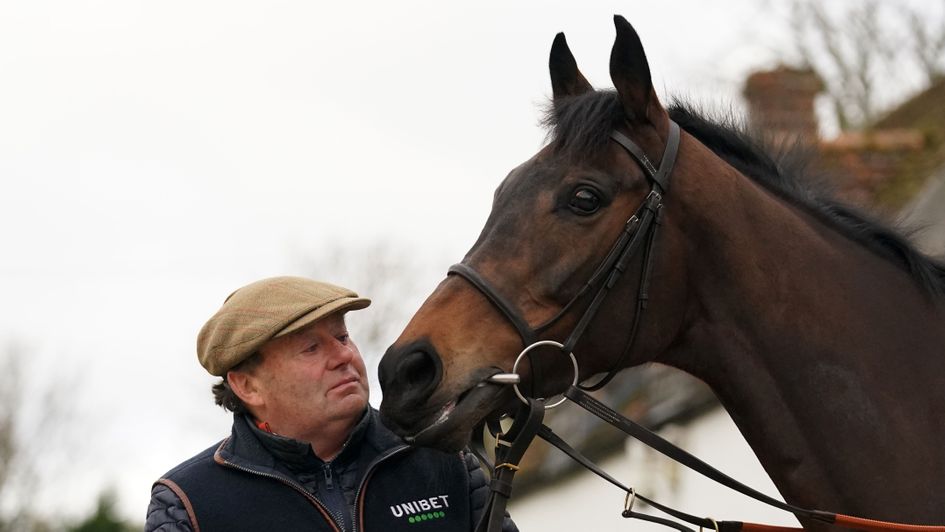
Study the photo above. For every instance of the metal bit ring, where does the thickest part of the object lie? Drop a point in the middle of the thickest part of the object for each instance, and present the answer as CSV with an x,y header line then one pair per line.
x,y
529,348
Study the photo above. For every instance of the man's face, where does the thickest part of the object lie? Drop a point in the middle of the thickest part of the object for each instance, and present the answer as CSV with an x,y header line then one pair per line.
x,y
311,378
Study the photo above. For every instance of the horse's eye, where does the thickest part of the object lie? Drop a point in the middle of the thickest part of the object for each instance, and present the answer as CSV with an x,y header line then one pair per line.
x,y
585,201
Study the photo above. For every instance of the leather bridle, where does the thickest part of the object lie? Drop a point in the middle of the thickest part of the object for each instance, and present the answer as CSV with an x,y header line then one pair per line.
x,y
639,230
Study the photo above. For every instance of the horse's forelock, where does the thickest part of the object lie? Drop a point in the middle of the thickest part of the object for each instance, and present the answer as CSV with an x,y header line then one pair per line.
x,y
580,126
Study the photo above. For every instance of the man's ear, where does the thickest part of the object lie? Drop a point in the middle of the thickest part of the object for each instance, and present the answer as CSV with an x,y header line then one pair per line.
x,y
246,386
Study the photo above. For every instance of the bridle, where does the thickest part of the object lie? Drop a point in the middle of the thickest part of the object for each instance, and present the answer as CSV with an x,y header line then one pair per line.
x,y
639,230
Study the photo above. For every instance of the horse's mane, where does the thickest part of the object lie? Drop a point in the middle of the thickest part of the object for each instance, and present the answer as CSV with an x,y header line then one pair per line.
x,y
580,126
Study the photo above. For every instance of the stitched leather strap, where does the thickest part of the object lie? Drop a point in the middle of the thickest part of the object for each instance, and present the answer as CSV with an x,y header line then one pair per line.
x,y
510,447
509,310
657,443
660,176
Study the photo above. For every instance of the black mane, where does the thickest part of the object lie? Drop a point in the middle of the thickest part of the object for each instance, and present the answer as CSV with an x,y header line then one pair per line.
x,y
580,126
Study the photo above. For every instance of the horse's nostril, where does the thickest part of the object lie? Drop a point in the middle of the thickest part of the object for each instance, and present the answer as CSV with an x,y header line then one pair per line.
x,y
420,372
416,366
412,374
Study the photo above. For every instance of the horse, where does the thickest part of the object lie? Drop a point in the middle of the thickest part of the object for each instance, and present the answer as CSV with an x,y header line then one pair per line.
x,y
820,330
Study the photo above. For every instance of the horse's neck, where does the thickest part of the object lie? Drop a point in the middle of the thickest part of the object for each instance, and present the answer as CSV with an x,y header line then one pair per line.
x,y
825,355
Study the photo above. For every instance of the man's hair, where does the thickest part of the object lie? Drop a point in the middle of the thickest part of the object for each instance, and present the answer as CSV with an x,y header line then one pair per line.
x,y
223,394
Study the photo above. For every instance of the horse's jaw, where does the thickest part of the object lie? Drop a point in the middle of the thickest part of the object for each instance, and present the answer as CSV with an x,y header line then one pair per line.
x,y
446,421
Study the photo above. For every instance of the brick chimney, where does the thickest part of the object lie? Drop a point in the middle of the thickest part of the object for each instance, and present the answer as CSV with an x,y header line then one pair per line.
x,y
781,103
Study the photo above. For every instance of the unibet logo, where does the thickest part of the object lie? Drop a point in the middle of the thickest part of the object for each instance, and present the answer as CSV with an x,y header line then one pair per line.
x,y
422,510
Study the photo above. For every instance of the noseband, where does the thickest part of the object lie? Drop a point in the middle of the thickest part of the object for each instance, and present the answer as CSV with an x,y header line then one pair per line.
x,y
639,230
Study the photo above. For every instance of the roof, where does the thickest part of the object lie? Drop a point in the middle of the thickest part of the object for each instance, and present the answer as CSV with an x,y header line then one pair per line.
x,y
924,114
887,164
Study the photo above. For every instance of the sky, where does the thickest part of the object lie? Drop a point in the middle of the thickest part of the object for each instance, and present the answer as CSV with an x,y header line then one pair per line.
x,y
155,156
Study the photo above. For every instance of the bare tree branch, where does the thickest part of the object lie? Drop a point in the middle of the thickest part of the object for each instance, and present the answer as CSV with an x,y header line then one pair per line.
x,y
32,416
928,43
862,52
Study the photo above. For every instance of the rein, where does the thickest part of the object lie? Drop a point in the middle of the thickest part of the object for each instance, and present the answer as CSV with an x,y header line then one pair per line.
x,y
639,230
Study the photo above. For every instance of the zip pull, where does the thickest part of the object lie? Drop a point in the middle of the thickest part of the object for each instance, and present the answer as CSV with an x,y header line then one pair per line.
x,y
329,484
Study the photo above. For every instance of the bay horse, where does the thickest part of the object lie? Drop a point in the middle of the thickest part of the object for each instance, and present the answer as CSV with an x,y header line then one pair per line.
x,y
821,331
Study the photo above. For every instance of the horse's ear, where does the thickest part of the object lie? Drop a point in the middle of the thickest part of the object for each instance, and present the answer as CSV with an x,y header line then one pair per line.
x,y
630,73
566,79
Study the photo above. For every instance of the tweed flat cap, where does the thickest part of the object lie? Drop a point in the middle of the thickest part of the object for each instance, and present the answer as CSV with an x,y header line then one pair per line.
x,y
264,310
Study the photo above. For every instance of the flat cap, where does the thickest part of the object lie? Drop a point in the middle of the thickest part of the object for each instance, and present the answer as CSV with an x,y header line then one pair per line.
x,y
264,310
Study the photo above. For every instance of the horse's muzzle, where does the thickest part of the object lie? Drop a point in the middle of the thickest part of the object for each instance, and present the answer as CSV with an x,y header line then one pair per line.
x,y
408,376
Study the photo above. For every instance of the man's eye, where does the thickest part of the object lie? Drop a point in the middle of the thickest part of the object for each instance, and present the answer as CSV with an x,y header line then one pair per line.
x,y
343,338
310,349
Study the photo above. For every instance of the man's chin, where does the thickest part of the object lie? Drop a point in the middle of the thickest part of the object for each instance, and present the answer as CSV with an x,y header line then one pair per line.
x,y
347,407
354,403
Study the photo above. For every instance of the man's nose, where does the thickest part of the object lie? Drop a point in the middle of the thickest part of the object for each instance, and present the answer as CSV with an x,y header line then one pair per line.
x,y
341,353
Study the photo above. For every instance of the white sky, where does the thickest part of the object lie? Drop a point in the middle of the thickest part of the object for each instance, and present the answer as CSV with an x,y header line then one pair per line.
x,y
154,156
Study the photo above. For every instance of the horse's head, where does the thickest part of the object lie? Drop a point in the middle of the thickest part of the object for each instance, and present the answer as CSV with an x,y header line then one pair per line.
x,y
550,243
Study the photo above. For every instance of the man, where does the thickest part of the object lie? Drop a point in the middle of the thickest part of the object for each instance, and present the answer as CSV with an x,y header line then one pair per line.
x,y
306,451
